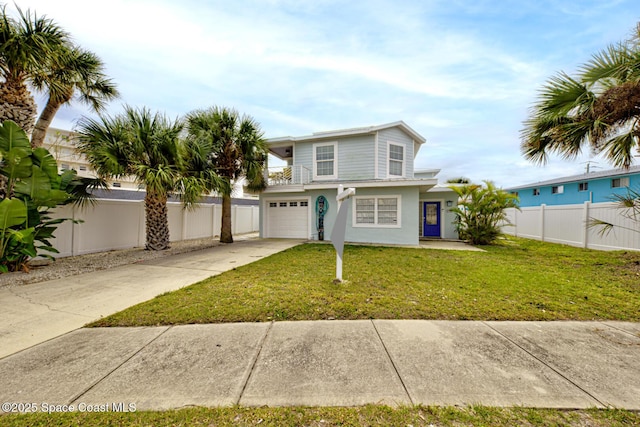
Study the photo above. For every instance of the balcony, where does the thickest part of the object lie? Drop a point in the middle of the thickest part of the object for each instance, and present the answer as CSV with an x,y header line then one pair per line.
x,y
288,175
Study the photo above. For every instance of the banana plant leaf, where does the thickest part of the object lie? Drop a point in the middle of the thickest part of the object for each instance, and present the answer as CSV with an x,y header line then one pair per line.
x,y
17,163
11,136
13,212
47,163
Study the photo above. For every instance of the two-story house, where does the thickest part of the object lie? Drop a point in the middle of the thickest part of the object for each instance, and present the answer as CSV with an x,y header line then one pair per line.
x,y
393,204
595,187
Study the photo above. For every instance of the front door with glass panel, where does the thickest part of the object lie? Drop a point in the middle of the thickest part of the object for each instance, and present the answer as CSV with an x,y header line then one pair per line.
x,y
431,219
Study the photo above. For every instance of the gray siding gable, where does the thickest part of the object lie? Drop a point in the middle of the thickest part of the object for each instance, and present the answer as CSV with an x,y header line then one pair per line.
x,y
395,136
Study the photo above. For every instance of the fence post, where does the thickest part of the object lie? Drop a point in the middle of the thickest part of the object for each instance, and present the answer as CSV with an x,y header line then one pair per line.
x,y
184,224
585,239
142,235
213,220
234,217
542,206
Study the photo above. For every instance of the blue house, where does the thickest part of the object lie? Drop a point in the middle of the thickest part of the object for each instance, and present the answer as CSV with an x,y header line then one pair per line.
x,y
595,187
393,204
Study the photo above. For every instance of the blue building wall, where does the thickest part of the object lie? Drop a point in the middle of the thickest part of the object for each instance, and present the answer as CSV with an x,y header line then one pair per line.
x,y
599,190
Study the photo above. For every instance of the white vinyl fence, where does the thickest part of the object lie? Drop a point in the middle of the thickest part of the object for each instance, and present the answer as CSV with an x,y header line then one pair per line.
x,y
569,224
120,224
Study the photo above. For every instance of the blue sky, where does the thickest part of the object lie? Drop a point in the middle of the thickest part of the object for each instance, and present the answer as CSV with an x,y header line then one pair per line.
x,y
463,73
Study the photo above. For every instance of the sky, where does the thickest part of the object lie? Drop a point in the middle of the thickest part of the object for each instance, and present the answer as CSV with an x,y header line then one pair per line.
x,y
462,73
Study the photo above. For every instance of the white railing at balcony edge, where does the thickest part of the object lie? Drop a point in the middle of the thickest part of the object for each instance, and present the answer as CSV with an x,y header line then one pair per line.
x,y
288,175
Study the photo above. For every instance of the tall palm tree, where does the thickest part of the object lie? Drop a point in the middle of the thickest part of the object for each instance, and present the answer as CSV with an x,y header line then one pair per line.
x,y
599,107
235,149
147,146
78,71
28,45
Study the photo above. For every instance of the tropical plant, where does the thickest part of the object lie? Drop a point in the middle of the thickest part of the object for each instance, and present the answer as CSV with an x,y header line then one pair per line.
x,y
147,146
628,206
78,71
235,149
480,212
599,107
35,187
28,47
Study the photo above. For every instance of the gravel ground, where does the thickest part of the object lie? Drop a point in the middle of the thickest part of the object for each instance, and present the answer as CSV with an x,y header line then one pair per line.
x,y
71,266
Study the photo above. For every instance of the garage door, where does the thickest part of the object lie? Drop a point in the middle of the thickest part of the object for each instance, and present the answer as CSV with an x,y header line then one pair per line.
x,y
288,218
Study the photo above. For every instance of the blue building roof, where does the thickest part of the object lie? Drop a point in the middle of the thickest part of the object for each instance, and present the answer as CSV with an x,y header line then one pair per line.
x,y
594,187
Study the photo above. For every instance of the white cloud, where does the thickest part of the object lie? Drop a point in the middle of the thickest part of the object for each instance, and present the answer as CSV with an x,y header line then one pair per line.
x,y
461,73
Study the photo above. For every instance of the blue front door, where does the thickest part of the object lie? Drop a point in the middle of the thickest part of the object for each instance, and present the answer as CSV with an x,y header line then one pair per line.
x,y
431,219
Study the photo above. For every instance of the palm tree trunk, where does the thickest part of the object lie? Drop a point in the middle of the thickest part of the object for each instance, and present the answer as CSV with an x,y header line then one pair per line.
x,y
157,222
17,104
44,121
225,232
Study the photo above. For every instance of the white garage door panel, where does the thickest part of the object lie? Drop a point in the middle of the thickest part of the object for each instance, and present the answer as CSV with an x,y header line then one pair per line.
x,y
288,218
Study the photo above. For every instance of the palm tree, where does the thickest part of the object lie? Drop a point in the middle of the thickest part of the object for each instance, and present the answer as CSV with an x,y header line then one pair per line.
x,y
600,108
235,149
28,46
78,71
137,143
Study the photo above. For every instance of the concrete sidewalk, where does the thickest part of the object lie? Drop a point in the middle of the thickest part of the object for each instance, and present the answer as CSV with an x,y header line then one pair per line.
x,y
405,362
31,314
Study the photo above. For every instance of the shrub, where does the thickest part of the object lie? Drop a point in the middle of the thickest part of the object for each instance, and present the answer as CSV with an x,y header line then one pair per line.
x,y
480,212
33,187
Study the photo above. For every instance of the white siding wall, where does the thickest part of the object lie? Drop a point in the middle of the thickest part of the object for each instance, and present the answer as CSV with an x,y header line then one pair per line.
x,y
120,224
568,224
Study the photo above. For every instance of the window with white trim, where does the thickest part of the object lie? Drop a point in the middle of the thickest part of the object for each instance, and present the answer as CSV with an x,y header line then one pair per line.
x,y
536,191
325,165
557,189
377,211
583,186
396,159
620,182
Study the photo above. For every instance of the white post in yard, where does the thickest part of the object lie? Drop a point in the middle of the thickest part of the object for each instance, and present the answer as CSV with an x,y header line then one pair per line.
x,y
339,252
340,227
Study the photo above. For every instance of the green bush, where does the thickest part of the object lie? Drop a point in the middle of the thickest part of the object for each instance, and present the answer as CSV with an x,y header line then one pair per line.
x,y
481,212
32,186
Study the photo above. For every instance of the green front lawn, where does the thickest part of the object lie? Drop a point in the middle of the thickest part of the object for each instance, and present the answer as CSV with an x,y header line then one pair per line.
x,y
519,279
477,416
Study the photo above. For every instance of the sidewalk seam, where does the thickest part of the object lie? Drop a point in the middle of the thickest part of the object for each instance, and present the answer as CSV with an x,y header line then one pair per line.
x,y
395,368
546,364
604,322
254,362
98,381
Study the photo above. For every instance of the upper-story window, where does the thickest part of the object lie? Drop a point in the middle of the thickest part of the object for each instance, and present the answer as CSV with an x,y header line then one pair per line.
x,y
557,189
396,160
620,182
536,191
583,186
325,165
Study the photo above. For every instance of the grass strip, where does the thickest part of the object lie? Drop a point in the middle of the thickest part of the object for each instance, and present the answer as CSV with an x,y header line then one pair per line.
x,y
370,415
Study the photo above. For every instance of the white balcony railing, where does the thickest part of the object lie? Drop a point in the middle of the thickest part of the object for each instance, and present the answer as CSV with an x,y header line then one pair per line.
x,y
288,175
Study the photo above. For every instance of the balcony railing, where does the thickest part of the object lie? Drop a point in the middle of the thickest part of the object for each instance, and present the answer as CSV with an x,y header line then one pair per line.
x,y
288,175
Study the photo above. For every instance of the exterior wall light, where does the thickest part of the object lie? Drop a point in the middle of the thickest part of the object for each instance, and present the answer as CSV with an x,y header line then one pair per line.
x,y
449,203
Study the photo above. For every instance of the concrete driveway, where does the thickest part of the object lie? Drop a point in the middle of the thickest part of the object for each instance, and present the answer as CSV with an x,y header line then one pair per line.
x,y
31,314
